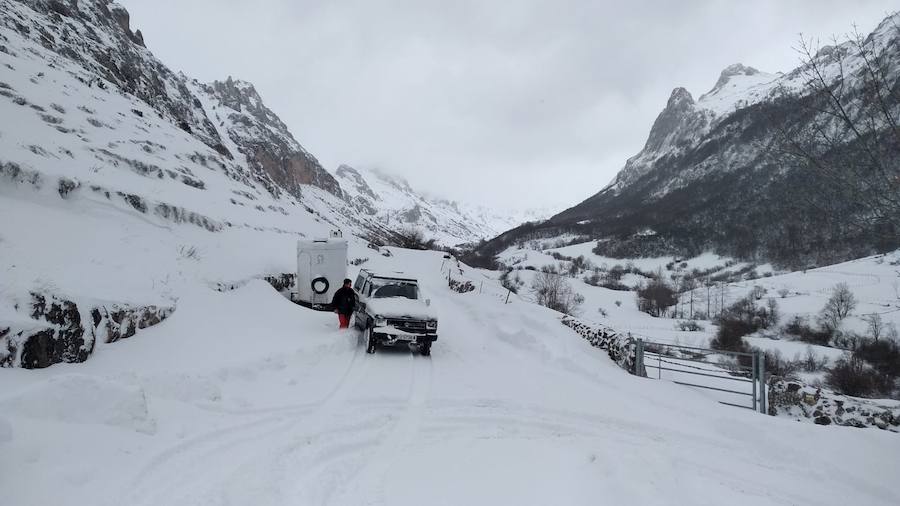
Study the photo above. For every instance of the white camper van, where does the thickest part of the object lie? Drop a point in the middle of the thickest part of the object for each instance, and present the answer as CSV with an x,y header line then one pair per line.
x,y
321,268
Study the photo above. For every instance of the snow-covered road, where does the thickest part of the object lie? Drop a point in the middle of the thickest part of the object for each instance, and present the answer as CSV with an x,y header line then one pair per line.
x,y
244,398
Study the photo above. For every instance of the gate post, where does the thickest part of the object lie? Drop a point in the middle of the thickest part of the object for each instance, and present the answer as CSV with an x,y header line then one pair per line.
x,y
639,358
763,388
755,376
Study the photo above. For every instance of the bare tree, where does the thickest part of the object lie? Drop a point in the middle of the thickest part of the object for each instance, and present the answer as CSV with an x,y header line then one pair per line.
x,y
839,306
411,237
554,291
851,93
875,325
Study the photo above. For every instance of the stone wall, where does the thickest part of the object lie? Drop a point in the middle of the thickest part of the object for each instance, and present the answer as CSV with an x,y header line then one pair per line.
x,y
802,402
620,347
55,330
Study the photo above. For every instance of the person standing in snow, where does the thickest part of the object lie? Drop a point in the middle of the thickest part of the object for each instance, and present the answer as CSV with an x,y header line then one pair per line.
x,y
344,302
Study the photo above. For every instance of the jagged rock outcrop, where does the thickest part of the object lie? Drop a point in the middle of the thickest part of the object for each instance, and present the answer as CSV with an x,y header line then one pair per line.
x,y
265,140
61,336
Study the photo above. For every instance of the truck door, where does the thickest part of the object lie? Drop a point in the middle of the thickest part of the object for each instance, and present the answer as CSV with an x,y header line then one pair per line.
x,y
361,286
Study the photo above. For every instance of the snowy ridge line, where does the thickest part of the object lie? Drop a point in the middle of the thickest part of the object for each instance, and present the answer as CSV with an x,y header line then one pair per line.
x,y
620,347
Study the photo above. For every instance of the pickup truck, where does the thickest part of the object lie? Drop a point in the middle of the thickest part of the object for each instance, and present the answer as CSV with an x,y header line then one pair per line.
x,y
390,311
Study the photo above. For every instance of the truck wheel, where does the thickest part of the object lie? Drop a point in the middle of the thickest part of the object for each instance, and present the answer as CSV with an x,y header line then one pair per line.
x,y
370,340
426,348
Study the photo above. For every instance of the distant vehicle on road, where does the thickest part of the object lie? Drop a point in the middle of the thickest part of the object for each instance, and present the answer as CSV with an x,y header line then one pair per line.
x,y
391,311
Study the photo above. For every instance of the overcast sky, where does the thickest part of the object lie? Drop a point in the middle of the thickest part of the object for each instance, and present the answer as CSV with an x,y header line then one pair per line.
x,y
515,104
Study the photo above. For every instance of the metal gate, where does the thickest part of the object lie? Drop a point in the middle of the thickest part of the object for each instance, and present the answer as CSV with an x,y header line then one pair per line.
x,y
732,374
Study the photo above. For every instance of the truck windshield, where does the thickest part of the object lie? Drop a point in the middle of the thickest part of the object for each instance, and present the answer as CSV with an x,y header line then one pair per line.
x,y
407,290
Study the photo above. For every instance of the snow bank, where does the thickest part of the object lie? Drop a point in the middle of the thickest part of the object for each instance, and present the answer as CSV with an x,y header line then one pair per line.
x,y
83,399
6,433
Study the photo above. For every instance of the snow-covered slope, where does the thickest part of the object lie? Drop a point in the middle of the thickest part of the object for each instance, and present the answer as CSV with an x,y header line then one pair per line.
x,y
391,200
267,403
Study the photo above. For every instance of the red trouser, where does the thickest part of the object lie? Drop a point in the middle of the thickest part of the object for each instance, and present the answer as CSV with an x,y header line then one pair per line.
x,y
345,320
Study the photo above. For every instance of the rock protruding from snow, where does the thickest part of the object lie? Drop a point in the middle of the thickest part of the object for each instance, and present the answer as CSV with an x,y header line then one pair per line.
x,y
46,329
121,321
62,338
796,400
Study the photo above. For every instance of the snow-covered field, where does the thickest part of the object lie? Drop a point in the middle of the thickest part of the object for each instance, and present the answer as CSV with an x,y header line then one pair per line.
x,y
874,281
242,397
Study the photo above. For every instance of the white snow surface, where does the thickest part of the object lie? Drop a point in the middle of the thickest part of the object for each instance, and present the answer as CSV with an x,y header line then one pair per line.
x,y
245,398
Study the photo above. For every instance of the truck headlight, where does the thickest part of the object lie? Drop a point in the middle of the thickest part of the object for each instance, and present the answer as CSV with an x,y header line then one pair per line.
x,y
431,324
380,322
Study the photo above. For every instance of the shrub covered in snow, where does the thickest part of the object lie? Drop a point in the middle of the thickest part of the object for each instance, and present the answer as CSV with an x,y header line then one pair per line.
x,y
740,319
656,297
554,291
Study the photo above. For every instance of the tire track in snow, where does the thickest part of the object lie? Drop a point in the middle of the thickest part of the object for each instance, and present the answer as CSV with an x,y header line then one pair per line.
x,y
182,463
370,482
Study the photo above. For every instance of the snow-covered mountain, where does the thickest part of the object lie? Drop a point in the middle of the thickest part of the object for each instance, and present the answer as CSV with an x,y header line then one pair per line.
x,y
714,173
391,200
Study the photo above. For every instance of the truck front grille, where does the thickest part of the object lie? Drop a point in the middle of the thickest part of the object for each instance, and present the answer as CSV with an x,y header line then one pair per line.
x,y
407,325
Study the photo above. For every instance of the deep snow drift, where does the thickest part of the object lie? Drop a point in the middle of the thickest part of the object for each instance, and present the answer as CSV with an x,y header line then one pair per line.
x,y
243,397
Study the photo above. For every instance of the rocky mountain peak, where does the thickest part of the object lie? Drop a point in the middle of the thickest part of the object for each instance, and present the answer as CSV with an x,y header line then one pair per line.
x,y
355,182
120,15
238,95
677,119
680,98
266,141
737,69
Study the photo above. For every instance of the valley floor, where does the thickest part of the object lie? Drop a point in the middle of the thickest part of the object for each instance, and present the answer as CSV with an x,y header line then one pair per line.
x,y
244,398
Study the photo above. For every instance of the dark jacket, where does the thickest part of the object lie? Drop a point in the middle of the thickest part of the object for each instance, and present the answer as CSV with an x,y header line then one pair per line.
x,y
344,300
